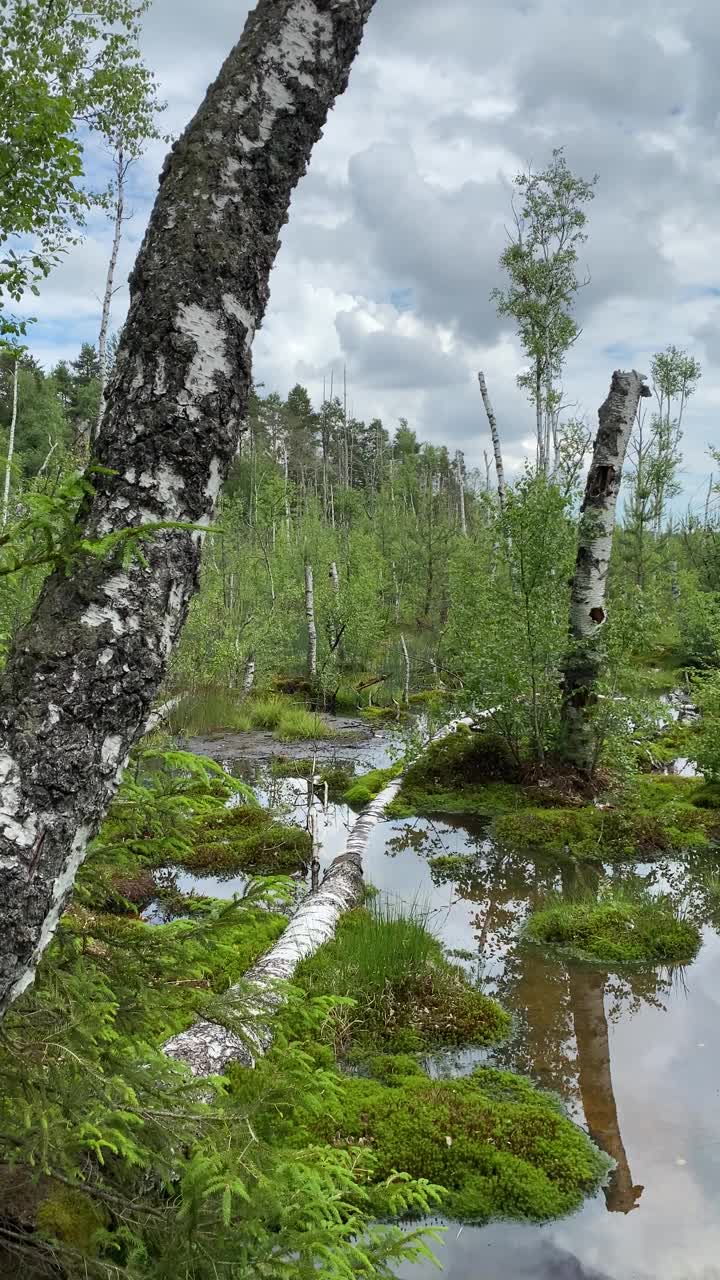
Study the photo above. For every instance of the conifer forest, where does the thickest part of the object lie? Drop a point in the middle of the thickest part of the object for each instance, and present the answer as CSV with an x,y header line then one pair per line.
x,y
359,641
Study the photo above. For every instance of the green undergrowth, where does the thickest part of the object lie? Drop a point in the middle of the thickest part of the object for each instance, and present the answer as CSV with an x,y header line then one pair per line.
x,y
497,1145
677,739
172,811
369,785
617,928
338,775
405,994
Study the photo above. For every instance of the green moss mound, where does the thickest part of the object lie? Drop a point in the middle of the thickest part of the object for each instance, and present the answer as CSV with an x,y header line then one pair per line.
x,y
616,929
246,841
465,772
406,995
369,785
498,1146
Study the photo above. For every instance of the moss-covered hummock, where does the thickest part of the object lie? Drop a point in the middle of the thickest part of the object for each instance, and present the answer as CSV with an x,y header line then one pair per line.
x,y
369,785
464,772
661,815
618,928
246,841
499,1146
406,995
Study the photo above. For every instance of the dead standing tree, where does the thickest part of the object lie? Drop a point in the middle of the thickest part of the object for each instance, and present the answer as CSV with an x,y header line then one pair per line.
x,y
79,685
588,602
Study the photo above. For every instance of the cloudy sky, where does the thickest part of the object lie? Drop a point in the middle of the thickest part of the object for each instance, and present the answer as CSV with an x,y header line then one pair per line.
x,y
394,237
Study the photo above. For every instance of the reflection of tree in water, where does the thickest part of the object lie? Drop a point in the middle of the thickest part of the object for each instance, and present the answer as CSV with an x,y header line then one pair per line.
x,y
560,1035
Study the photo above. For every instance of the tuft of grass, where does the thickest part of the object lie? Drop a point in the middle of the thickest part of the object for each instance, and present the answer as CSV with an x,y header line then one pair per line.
x,y
405,993
208,711
215,710
616,929
298,725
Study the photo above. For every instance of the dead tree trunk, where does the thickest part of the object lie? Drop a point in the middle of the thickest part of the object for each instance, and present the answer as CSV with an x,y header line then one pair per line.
x,y
207,1047
311,627
337,628
79,685
589,585
11,442
461,492
121,167
249,673
495,434
406,660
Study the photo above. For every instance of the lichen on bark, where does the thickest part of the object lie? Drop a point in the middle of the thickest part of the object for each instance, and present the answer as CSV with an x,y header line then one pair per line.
x,y
88,665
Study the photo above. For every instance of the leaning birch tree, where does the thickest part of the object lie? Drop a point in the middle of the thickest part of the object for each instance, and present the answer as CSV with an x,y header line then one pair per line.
x,y
81,679
588,600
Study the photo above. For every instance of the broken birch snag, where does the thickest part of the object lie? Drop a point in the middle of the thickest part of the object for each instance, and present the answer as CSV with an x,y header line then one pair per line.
x,y
310,617
495,435
207,1047
80,682
589,585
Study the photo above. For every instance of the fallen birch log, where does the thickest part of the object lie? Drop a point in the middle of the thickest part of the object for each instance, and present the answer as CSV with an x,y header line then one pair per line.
x,y
207,1047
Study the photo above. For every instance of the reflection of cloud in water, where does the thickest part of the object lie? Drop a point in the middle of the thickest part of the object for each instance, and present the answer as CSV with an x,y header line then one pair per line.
x,y
650,1089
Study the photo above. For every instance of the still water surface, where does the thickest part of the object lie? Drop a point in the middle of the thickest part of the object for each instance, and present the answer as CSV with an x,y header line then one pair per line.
x,y
637,1060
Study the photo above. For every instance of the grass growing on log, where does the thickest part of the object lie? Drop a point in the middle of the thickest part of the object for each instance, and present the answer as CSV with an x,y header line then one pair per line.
x,y
498,1146
617,929
369,785
406,994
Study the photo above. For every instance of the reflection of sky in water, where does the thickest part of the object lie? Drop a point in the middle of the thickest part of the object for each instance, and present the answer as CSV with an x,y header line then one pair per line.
x,y
650,1054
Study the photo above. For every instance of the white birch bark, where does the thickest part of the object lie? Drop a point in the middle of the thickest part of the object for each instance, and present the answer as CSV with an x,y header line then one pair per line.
x,y
495,435
11,443
335,584
461,492
207,1047
79,685
249,674
406,658
588,599
121,168
310,616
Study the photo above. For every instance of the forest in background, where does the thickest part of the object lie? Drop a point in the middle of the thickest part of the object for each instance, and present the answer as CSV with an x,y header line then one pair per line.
x,y
351,568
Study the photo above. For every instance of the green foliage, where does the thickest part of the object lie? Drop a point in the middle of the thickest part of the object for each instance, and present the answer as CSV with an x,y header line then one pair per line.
x,y
508,625
65,69
464,772
541,262
248,841
499,1147
706,745
404,994
616,928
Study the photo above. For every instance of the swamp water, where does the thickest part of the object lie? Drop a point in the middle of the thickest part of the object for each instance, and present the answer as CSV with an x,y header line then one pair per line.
x,y
636,1057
